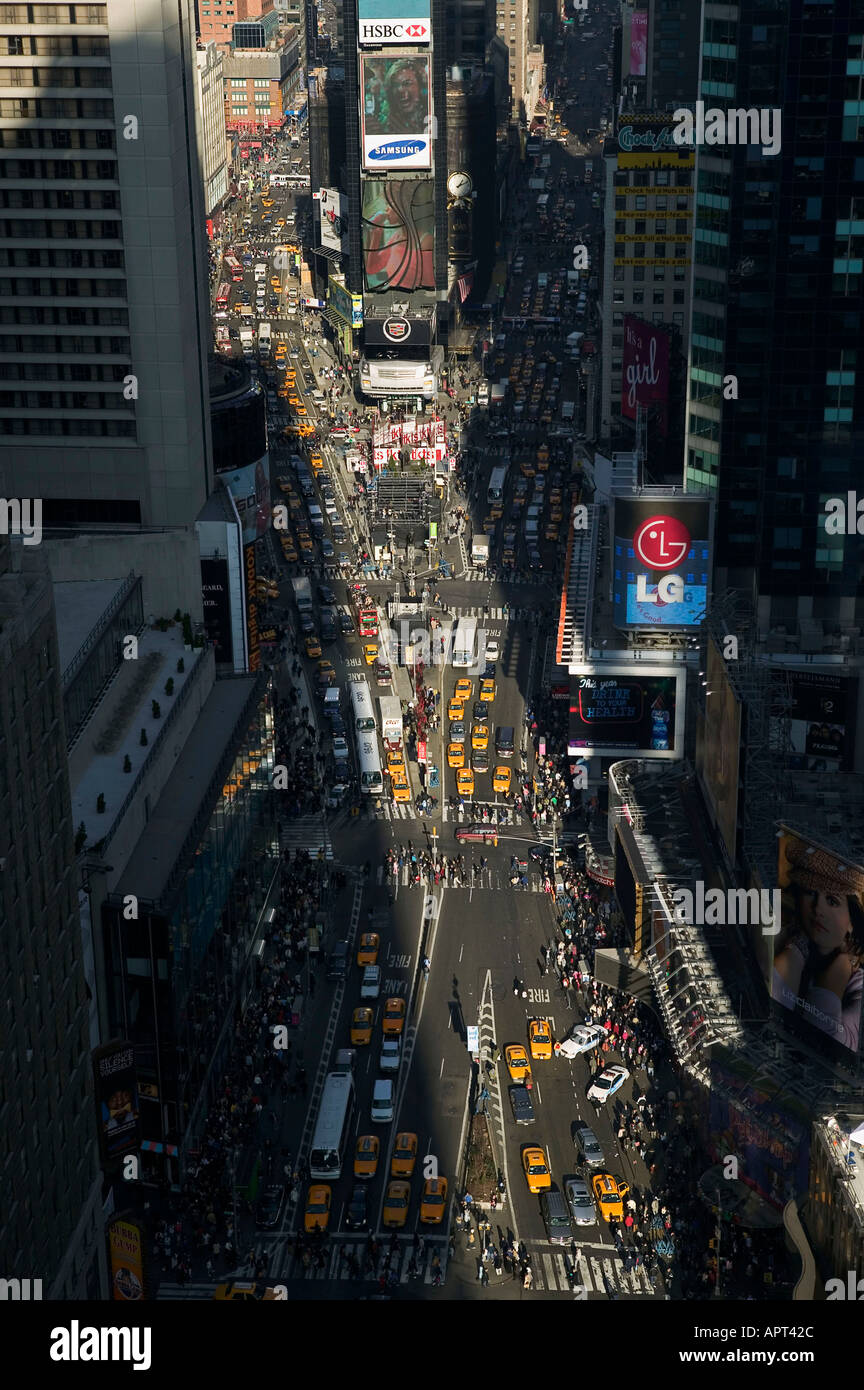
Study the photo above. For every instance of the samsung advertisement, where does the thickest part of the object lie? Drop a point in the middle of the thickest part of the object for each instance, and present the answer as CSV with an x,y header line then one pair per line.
x,y
396,111
661,561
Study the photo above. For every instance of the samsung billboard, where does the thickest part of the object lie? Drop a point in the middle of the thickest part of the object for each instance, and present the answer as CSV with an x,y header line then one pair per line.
x,y
396,112
661,561
385,22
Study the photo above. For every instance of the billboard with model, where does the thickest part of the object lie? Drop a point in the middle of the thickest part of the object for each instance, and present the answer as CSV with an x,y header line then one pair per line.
x,y
396,111
645,370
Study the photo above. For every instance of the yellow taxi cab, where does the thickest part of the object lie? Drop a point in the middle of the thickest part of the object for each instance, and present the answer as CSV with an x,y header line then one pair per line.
x,y
361,1027
433,1203
487,689
275,282
396,760
527,467
317,1214
294,399
366,1156
455,755
280,221
501,779
465,781
282,393
479,735
370,653
543,458
540,1040
313,646
551,532
304,540
300,410
295,503
396,1201
609,1195
325,675
317,463
535,1166
463,689
456,709
404,1156
393,1020
290,375
367,953
267,202
400,787
556,512
305,429
517,1063
289,551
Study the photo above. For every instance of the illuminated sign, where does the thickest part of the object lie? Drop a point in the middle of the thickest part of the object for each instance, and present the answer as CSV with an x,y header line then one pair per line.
x,y
661,561
381,22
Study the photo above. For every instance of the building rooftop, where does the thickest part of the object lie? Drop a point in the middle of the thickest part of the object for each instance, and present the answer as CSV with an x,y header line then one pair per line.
x,y
149,870
80,603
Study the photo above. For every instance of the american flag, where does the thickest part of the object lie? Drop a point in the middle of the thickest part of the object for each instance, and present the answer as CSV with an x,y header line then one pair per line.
x,y
465,282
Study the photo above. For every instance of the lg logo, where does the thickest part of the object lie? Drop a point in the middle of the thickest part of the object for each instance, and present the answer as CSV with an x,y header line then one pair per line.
x,y
661,542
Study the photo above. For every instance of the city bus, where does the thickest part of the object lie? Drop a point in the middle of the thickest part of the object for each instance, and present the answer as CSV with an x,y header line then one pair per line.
x,y
223,295
369,763
465,643
367,621
235,269
361,706
332,1135
495,491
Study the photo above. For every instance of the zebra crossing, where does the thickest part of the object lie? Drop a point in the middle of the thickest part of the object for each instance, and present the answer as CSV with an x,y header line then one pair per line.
x,y
595,1274
406,811
337,1266
489,879
515,615
307,833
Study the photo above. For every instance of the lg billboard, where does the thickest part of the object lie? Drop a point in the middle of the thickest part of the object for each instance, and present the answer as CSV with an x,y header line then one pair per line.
x,y
385,22
661,561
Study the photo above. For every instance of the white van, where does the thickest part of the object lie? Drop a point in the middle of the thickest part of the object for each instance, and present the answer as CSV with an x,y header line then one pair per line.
x,y
382,1102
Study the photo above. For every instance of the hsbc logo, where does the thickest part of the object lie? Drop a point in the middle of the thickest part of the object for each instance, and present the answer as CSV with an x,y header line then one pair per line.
x,y
396,31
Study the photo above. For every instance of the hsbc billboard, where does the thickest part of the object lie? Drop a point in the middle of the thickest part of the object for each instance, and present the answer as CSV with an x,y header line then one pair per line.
x,y
398,329
661,560
382,22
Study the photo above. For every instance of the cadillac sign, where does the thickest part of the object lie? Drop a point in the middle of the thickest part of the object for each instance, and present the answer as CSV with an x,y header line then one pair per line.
x,y
397,330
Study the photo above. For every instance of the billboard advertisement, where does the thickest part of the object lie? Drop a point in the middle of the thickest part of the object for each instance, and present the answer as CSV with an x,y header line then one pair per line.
x,y
382,22
398,229
252,634
615,712
217,607
333,209
638,42
422,438
117,1097
661,561
126,1252
718,745
396,117
759,1119
250,489
460,239
398,330
645,370
817,976
818,711
348,306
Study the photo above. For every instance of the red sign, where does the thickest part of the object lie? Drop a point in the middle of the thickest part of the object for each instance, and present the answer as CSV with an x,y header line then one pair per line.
x,y
421,751
645,369
661,542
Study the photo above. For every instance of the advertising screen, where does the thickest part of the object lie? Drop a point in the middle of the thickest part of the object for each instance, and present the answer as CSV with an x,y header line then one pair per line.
x,y
117,1098
460,231
333,209
126,1245
819,721
817,975
396,117
252,634
381,22
615,712
661,561
398,228
398,330
217,607
645,370
638,42
250,489
718,744
761,1119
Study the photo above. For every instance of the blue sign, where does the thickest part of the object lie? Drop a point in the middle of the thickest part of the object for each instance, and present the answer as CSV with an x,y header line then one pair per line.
x,y
397,150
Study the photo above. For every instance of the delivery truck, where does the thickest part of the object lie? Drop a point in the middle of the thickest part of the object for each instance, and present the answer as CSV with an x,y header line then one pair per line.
x,y
302,594
391,721
480,551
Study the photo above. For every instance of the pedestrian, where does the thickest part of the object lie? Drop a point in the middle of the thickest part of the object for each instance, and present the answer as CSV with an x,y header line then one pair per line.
x,y
528,1278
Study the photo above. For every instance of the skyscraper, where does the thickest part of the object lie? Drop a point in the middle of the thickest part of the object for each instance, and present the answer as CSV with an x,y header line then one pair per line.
x,y
776,400
104,411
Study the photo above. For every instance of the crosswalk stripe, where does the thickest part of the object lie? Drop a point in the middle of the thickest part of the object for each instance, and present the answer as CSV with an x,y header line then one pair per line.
x,y
550,1274
308,833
